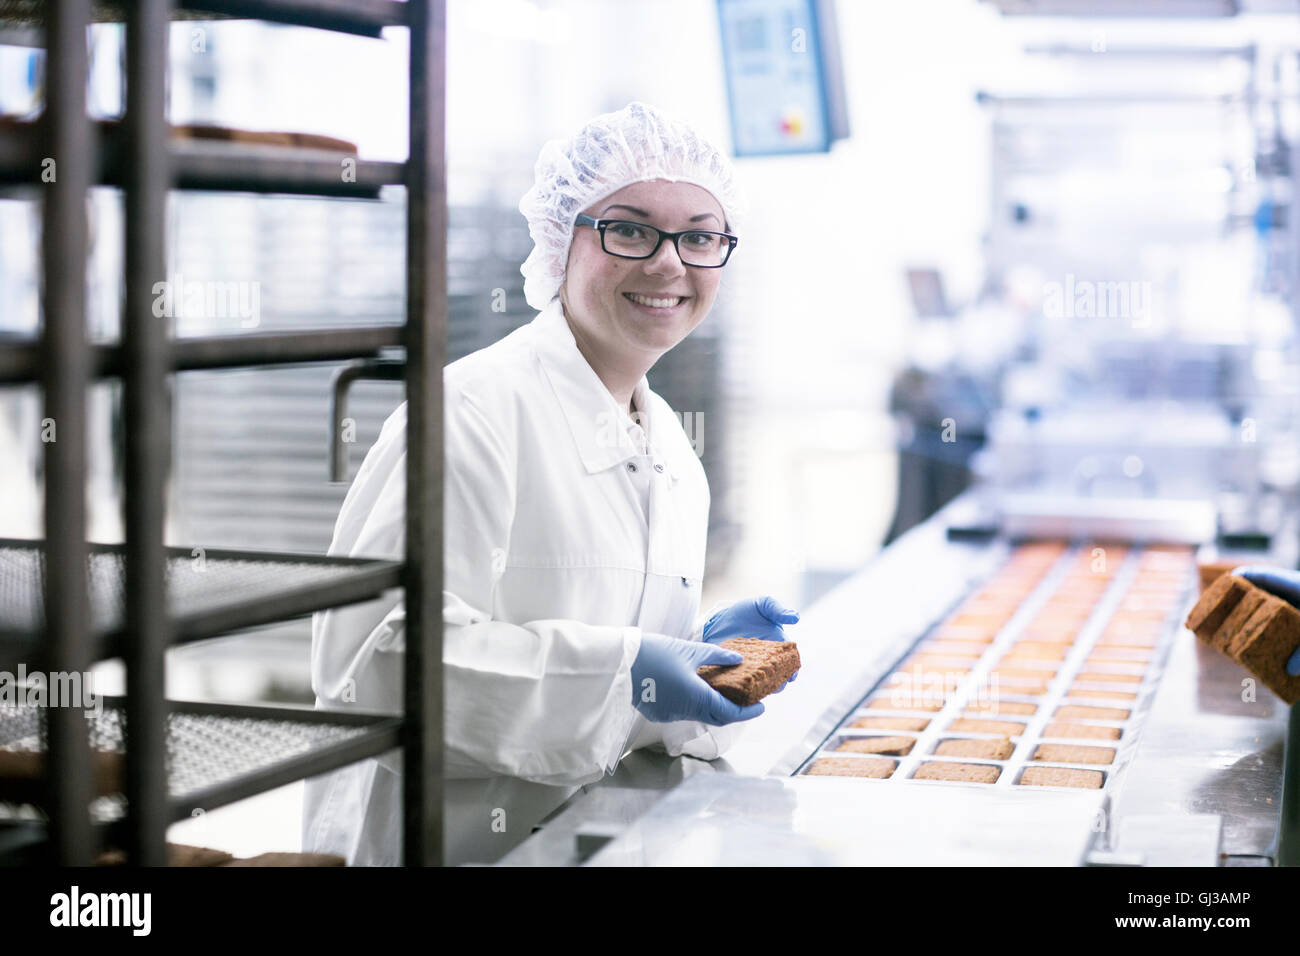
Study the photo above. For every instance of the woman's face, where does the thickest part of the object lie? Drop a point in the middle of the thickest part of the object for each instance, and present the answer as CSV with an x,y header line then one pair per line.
x,y
600,290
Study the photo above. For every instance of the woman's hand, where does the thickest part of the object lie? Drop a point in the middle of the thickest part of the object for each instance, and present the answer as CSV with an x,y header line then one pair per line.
x,y
1280,583
665,686
756,617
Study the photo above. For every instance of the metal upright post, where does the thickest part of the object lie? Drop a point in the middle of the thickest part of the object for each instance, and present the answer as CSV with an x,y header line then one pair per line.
x,y
66,174
146,402
1288,827
426,334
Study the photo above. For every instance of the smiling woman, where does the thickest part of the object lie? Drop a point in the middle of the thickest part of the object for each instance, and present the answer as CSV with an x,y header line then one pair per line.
x,y
626,311
576,516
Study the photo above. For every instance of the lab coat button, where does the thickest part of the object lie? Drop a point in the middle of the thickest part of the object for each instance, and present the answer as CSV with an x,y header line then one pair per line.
x,y
659,468
685,583
631,466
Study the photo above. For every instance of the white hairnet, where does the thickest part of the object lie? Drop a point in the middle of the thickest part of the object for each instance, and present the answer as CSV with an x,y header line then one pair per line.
x,y
613,150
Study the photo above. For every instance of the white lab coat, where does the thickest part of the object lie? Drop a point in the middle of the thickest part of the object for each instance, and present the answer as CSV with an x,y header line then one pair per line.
x,y
564,541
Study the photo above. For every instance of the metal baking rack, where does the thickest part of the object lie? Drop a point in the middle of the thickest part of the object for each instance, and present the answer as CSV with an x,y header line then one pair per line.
x,y
139,599
210,592
1058,693
218,753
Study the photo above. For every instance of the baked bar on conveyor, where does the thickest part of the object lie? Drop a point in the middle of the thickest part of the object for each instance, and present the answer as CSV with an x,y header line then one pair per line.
x,y
975,747
1073,753
1037,651
890,746
767,665
1066,728
904,701
891,723
1061,777
875,767
962,772
1088,712
1096,692
993,707
977,725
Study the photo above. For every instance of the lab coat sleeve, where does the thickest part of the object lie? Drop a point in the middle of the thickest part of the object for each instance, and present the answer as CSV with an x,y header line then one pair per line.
x,y
548,701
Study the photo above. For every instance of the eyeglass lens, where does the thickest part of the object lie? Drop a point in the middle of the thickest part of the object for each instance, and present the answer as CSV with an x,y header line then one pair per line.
x,y
637,240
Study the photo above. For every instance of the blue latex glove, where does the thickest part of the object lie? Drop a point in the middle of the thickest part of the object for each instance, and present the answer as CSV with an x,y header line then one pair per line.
x,y
666,687
757,617
1282,583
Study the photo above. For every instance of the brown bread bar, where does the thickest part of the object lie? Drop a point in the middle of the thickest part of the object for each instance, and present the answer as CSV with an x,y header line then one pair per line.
x,y
901,698
1237,624
1074,753
1061,777
1265,649
1036,651
1254,628
1085,712
766,667
1027,686
963,772
1042,670
1107,694
891,723
1138,655
994,707
1211,571
1215,604
988,749
976,725
891,746
1106,677
1065,728
876,767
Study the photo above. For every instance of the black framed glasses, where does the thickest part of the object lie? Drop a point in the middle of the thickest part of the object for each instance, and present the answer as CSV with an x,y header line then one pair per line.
x,y
635,240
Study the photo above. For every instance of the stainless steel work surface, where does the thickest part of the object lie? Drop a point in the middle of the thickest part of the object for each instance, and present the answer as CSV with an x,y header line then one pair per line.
x,y
722,820
1205,750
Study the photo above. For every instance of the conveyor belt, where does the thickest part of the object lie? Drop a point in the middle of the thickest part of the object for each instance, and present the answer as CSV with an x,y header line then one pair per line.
x,y
1038,681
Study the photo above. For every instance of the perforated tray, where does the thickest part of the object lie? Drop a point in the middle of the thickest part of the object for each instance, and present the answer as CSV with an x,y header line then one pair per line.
x,y
214,752
969,687
210,590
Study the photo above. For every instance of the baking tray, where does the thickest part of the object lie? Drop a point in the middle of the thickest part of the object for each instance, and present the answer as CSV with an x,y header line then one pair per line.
x,y
1179,577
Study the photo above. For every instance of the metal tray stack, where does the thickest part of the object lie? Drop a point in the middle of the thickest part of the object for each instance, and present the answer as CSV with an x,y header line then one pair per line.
x,y
1038,681
211,591
70,603
215,753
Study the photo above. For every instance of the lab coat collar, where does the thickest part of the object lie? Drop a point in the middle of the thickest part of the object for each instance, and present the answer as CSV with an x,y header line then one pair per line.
x,y
598,425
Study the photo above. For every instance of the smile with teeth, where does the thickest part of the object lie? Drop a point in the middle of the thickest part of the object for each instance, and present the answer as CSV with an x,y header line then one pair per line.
x,y
654,303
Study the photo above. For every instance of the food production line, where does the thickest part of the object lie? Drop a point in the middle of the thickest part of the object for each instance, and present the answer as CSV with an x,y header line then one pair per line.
x,y
974,698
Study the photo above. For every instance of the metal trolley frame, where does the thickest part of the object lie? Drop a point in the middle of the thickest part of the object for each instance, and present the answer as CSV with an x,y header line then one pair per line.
x,y
73,631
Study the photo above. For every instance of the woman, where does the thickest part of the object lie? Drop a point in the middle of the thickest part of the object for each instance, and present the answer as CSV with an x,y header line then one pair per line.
x,y
576,516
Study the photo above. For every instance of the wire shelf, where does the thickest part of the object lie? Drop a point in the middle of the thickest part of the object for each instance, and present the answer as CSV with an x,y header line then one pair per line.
x,y
210,591
215,753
